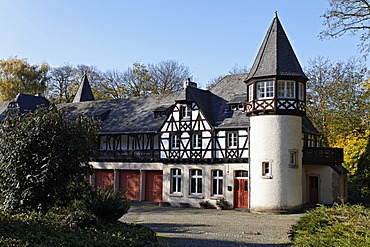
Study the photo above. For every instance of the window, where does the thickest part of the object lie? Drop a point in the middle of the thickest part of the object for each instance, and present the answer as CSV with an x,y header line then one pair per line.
x,y
175,180
217,182
232,139
250,92
265,90
286,89
195,182
185,112
197,141
241,174
175,141
300,91
266,169
293,161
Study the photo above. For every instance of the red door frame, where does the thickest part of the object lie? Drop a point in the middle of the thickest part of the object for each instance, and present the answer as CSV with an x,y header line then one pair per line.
x,y
241,195
129,183
104,179
313,189
153,186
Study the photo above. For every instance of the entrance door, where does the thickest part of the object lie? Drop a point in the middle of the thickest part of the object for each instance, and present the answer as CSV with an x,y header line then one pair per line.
x,y
129,182
104,179
241,193
153,186
313,189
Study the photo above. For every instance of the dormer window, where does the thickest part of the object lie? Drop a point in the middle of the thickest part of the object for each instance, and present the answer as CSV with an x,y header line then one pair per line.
x,y
286,89
185,112
265,90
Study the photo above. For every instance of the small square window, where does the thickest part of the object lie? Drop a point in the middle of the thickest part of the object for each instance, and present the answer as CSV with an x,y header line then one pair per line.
x,y
266,169
293,159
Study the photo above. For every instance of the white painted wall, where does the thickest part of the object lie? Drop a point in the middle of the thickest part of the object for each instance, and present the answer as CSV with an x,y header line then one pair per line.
x,y
271,138
325,175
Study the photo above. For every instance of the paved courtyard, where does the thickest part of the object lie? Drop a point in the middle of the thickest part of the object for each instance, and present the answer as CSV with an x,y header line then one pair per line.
x,y
211,227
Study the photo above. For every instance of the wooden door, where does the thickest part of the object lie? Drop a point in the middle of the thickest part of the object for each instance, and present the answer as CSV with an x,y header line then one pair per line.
x,y
313,189
104,179
153,186
129,183
241,193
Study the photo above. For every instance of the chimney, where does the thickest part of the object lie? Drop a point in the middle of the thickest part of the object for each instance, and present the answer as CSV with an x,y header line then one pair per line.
x,y
189,83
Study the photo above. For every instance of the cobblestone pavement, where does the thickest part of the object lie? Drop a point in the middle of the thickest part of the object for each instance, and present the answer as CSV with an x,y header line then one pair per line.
x,y
211,227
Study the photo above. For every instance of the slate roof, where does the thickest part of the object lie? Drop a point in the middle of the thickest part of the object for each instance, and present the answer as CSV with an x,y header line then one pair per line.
x,y
128,115
84,92
276,56
22,103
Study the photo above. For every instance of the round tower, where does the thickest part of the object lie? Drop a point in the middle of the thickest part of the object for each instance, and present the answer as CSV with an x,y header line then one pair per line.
x,y
276,103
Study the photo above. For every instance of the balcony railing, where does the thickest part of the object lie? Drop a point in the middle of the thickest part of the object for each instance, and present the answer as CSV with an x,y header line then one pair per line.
x,y
322,156
126,155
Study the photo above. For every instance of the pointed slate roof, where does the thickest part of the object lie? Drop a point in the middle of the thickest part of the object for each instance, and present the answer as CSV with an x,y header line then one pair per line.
x,y
276,56
84,92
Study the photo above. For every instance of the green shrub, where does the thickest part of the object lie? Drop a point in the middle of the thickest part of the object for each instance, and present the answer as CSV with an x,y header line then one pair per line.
x,y
340,225
107,205
35,229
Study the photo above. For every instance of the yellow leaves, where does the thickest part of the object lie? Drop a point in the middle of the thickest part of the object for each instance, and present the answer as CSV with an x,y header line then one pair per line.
x,y
18,76
354,145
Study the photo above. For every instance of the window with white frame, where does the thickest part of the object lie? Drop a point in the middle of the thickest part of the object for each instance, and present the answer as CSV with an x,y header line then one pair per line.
x,y
217,182
196,141
286,89
175,180
232,139
265,90
266,169
185,111
301,91
196,182
175,141
293,158
250,92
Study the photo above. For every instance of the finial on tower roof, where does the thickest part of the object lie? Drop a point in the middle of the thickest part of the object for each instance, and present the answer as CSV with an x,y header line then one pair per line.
x,y
275,14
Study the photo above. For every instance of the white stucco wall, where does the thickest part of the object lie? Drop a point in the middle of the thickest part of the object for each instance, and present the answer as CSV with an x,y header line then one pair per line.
x,y
271,138
325,177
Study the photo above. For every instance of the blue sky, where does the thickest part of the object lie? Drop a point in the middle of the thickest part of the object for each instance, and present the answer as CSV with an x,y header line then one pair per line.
x,y
209,36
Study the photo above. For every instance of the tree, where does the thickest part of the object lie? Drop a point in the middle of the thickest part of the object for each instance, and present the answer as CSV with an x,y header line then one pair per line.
x,y
338,103
337,98
114,84
348,16
62,83
43,157
138,81
168,76
18,76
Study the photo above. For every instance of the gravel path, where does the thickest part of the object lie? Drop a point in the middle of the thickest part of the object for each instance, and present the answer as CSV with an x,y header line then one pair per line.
x,y
211,227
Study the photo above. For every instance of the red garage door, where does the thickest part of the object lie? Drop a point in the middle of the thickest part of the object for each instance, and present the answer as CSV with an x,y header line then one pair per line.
x,y
129,182
153,186
104,179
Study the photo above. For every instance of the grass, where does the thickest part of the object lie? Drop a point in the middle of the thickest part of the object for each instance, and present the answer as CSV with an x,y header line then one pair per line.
x,y
339,225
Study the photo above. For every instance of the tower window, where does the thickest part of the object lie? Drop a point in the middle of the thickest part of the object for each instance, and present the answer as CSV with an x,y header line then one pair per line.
x,y
265,90
286,89
266,169
293,158
250,92
300,91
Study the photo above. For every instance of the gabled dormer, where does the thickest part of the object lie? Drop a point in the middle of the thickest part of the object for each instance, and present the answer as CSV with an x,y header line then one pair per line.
x,y
84,92
276,83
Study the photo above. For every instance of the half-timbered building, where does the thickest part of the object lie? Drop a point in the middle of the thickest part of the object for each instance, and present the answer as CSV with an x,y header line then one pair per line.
x,y
246,140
